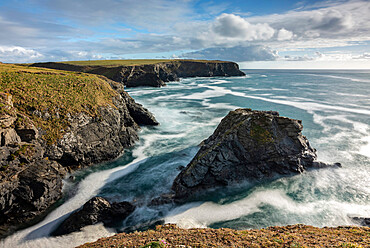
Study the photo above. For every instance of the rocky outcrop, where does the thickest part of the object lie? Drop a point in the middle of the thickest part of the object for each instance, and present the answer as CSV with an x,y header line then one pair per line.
x,y
362,221
156,74
247,146
94,211
31,169
92,140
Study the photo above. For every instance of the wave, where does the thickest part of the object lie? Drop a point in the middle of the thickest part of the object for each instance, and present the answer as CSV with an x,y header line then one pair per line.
x,y
340,77
204,214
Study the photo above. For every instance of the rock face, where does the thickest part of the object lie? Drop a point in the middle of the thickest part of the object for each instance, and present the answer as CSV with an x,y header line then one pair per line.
x,y
92,140
155,75
94,211
31,170
247,146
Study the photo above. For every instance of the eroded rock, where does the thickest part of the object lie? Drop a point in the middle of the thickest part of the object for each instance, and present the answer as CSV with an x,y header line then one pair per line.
x,y
247,146
94,211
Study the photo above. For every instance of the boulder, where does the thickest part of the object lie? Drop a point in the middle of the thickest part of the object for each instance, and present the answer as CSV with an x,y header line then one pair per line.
x,y
94,211
247,146
362,221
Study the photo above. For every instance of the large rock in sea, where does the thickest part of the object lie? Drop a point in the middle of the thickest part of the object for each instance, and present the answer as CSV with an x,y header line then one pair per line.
x,y
247,146
96,210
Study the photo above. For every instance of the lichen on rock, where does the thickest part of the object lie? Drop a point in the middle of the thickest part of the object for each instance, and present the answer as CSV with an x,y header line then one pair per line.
x,y
247,146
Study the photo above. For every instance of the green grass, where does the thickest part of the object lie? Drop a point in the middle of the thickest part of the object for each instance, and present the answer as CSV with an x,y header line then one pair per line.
x,y
57,93
128,62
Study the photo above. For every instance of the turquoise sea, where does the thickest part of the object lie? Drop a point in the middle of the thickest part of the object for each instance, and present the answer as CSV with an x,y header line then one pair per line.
x,y
334,107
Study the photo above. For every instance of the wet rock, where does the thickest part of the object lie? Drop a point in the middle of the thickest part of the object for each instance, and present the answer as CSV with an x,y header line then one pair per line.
x,y
94,211
28,190
163,199
247,146
362,221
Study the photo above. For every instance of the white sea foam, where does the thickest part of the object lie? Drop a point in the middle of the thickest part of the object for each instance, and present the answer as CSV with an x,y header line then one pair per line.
x,y
340,77
36,236
204,214
365,149
302,105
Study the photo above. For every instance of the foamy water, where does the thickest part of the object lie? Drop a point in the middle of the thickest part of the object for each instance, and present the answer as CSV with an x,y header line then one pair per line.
x,y
334,107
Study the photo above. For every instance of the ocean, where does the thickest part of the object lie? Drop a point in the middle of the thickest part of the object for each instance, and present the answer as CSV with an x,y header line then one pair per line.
x,y
334,107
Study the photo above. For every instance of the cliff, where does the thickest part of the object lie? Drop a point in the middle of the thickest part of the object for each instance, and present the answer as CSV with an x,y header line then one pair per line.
x,y
53,122
247,146
152,73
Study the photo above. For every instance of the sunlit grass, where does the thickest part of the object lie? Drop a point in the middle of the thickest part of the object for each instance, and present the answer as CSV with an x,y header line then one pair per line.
x,y
55,93
128,62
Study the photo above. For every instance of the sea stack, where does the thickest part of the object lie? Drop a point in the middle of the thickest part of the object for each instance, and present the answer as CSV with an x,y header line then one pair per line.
x,y
248,146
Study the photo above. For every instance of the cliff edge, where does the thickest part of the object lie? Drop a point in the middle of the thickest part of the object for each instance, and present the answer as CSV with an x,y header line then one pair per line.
x,y
51,123
152,73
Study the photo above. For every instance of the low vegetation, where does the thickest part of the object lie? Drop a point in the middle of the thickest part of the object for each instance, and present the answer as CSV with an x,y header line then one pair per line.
x,y
287,236
128,62
48,97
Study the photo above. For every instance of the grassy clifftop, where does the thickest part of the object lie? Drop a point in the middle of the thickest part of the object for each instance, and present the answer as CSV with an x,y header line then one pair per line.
x,y
47,96
130,62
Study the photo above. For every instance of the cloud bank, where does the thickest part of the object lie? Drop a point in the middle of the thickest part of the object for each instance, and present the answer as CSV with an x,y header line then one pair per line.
x,y
41,30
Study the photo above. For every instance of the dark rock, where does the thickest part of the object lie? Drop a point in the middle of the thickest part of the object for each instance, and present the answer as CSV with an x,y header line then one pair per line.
x,y
93,140
94,211
28,190
362,221
163,199
31,170
247,146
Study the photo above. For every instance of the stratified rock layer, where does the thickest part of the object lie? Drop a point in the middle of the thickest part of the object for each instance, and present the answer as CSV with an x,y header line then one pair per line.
x,y
157,74
247,146
94,211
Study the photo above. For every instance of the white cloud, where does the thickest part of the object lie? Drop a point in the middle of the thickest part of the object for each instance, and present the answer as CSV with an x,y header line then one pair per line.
x,y
338,21
11,54
168,26
284,34
364,56
236,27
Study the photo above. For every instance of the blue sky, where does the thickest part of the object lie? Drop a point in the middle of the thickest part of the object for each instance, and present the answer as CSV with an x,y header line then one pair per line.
x,y
256,34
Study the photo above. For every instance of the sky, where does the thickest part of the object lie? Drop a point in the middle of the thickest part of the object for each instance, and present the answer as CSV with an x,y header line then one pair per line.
x,y
263,34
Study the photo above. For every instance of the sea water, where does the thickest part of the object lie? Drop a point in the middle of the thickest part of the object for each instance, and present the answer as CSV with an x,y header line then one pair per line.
x,y
334,107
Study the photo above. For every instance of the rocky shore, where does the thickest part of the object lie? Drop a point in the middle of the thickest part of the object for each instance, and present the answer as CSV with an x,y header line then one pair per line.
x,y
43,136
153,74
